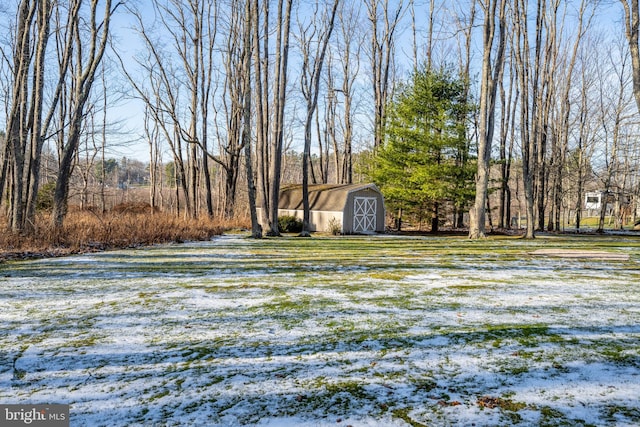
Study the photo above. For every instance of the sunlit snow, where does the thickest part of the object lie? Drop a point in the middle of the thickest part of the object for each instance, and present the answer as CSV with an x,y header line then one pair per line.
x,y
360,331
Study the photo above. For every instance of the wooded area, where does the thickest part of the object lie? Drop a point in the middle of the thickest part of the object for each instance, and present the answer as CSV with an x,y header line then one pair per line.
x,y
486,114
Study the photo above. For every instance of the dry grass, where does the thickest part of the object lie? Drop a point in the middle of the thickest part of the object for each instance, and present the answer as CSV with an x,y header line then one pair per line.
x,y
124,226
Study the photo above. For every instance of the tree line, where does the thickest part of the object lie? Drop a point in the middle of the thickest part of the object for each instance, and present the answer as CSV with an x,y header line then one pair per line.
x,y
450,106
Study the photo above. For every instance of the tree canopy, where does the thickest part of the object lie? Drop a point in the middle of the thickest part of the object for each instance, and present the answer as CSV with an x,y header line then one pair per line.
x,y
425,159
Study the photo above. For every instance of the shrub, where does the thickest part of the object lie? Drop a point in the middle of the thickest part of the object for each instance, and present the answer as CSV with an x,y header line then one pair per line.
x,y
85,231
334,227
133,208
289,224
44,202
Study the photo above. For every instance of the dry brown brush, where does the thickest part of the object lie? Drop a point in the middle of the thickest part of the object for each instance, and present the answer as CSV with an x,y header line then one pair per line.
x,y
124,226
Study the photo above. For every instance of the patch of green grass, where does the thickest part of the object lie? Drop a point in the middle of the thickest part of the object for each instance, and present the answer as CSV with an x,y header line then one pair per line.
x,y
352,387
403,414
505,404
623,414
516,370
550,417
88,341
158,395
424,384
527,335
388,275
620,354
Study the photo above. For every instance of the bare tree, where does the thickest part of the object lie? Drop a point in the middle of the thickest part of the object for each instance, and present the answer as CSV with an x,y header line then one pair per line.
x,y
328,132
508,101
340,103
86,65
87,155
191,29
545,93
560,141
492,70
312,63
614,115
465,26
192,25
578,163
235,87
17,131
16,140
160,96
270,106
632,28
30,112
247,41
384,24
544,66
207,31
151,135
536,92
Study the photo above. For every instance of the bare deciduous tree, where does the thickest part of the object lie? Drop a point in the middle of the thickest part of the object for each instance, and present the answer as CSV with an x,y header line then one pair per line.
x,y
534,92
30,112
614,114
492,70
561,134
384,24
85,67
17,121
191,28
312,62
270,106
632,28
247,40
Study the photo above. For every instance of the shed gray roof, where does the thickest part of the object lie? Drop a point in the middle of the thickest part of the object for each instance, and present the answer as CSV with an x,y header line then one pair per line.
x,y
322,197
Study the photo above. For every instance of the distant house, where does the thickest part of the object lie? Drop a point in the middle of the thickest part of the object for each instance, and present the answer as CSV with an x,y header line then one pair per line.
x,y
593,200
355,208
622,205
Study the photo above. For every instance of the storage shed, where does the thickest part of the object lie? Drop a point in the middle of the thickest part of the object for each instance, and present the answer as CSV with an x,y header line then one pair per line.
x,y
356,208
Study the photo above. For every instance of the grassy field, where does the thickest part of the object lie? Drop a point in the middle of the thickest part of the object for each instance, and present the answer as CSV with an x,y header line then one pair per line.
x,y
609,223
360,331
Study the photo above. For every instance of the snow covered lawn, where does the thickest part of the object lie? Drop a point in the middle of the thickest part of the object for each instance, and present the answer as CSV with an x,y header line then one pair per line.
x,y
347,331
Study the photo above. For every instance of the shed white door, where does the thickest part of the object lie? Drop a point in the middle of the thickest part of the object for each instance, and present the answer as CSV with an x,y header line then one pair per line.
x,y
364,214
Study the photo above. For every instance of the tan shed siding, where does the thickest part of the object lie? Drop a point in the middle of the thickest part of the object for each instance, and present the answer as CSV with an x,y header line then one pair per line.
x,y
318,220
322,219
329,201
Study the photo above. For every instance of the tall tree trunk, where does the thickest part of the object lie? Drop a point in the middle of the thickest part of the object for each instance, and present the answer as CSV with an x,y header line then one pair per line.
x,y
508,103
84,78
632,28
560,157
382,58
349,60
209,14
270,115
531,110
247,41
26,121
154,158
311,72
463,156
16,138
37,109
491,74
262,112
